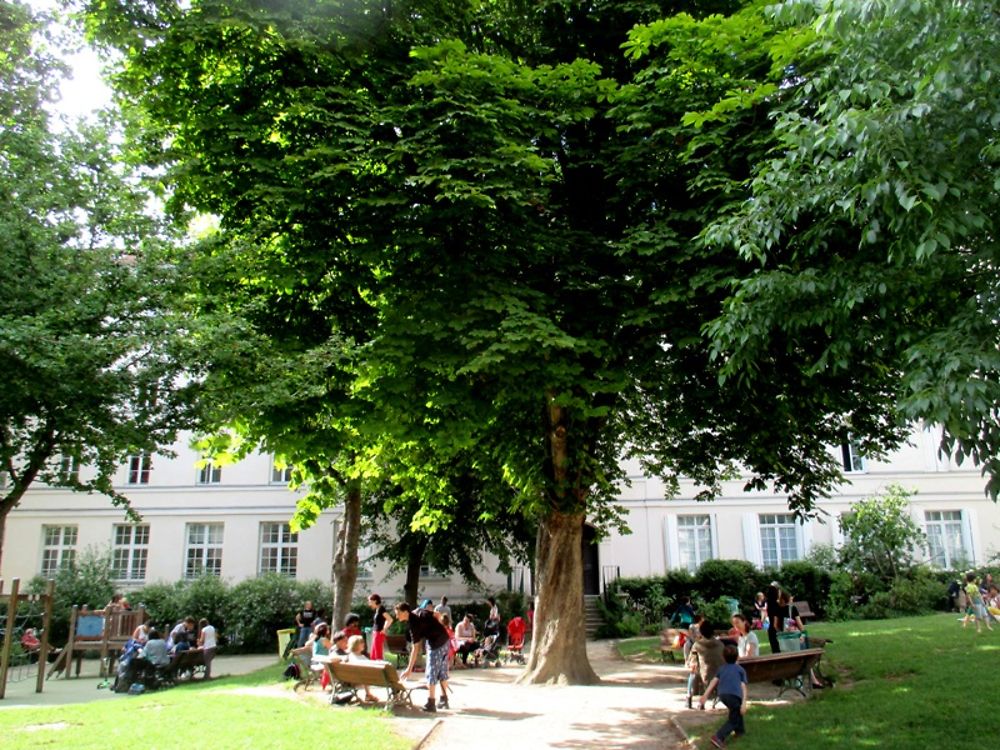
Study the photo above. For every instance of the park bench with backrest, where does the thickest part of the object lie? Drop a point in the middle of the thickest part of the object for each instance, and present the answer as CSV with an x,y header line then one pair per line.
x,y
351,677
191,660
790,668
804,611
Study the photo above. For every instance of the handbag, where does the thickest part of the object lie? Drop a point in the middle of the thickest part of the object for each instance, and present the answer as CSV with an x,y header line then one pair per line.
x,y
790,622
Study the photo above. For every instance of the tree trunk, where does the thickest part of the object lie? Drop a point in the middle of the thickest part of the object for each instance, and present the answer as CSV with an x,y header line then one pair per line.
x,y
411,589
559,637
3,525
345,561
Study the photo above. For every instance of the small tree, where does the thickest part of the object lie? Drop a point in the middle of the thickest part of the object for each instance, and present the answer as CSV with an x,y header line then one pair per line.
x,y
882,539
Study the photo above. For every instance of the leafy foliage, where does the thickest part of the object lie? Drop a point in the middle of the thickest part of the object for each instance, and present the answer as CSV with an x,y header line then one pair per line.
x,y
87,337
881,537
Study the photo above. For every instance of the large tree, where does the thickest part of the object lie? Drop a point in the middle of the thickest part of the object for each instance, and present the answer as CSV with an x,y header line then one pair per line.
x,y
86,341
873,225
517,203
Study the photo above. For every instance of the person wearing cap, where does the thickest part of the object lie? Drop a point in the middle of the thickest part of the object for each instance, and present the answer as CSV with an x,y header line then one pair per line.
x,y
427,604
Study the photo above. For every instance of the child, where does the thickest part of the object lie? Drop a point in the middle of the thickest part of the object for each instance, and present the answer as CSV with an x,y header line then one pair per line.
x,y
356,655
731,681
760,611
975,608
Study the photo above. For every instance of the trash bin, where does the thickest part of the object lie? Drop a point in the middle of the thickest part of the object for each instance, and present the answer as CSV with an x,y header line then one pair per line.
x,y
789,641
284,636
367,633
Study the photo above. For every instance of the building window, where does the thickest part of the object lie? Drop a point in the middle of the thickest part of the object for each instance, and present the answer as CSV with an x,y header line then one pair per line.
x,y
203,555
694,541
139,468
69,468
779,539
946,539
210,474
429,571
279,551
851,457
58,548
281,476
129,552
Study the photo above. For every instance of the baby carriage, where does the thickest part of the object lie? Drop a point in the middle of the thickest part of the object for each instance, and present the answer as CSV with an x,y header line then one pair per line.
x,y
489,652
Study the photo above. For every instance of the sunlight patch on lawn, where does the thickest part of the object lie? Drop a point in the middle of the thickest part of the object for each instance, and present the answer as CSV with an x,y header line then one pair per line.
x,y
47,727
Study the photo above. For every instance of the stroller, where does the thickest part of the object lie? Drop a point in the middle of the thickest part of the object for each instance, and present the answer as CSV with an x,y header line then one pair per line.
x,y
489,652
515,640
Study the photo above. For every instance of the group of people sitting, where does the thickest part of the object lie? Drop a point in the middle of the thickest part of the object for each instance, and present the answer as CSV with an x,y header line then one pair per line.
x,y
774,612
150,645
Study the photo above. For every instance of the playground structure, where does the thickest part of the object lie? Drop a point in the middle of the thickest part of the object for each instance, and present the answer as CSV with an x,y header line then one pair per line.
x,y
102,630
12,600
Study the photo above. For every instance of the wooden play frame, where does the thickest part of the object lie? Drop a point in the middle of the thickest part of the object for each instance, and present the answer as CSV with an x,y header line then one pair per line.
x,y
12,600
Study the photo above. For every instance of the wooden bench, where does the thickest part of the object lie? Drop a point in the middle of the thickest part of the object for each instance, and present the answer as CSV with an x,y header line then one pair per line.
x,y
189,660
804,611
791,668
672,643
350,678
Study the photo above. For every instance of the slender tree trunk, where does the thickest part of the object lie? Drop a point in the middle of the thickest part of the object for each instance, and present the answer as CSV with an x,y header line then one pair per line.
x,y
345,562
3,525
559,638
411,589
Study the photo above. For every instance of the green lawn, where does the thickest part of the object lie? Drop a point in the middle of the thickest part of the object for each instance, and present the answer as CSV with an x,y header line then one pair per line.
x,y
222,715
917,682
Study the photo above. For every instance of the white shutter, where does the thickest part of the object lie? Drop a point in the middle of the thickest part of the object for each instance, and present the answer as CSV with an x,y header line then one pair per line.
x,y
970,535
751,539
714,525
805,538
670,542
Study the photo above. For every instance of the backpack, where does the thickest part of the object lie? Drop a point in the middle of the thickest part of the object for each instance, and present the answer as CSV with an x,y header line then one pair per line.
x,y
292,672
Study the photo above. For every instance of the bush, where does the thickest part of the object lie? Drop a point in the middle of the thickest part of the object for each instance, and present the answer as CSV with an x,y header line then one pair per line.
x,y
737,579
165,603
258,608
718,613
807,582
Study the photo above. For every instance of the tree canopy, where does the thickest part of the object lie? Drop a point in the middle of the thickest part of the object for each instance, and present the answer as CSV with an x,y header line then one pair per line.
x,y
509,214
87,340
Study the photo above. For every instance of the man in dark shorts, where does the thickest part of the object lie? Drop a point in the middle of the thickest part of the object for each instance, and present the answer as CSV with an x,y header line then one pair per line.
x,y
425,626
304,620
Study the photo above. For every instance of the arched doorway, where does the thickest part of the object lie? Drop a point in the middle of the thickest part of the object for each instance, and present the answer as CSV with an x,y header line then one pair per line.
x,y
591,562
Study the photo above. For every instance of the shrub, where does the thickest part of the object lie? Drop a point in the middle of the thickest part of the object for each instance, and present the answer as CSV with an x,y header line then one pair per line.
x,y
164,602
718,613
737,579
808,582
259,607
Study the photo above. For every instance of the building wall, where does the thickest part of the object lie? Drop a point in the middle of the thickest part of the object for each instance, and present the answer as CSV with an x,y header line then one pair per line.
x,y
246,497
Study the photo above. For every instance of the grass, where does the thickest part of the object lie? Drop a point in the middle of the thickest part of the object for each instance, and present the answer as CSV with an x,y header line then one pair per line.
x,y
907,683
226,714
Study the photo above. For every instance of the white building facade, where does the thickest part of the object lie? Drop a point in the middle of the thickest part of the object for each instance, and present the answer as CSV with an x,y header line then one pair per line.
x,y
232,521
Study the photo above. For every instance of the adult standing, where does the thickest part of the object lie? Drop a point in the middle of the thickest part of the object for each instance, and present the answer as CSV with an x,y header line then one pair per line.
x,y
380,623
492,626
208,643
443,608
775,617
304,620
425,626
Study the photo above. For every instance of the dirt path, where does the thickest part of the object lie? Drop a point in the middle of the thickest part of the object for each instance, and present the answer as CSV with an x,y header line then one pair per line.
x,y
631,708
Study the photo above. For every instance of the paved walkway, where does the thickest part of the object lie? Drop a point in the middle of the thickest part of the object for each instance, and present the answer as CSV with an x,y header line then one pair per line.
x,y
83,689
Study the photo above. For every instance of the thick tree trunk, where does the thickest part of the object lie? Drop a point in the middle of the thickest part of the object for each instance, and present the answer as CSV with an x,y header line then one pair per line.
x,y
345,561
559,638
411,589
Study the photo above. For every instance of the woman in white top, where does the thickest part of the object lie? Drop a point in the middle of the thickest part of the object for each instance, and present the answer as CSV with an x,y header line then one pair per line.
x,y
356,655
746,643
207,643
